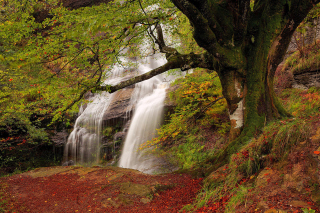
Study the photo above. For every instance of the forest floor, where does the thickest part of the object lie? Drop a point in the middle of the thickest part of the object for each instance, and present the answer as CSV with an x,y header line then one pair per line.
x,y
96,189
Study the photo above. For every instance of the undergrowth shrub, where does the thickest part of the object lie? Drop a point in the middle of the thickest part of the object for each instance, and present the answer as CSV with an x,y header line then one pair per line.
x,y
230,180
274,144
302,103
283,79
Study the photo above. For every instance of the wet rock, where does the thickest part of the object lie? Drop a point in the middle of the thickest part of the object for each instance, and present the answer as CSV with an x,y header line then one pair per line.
x,y
120,109
111,147
169,104
86,96
126,127
60,138
119,136
108,150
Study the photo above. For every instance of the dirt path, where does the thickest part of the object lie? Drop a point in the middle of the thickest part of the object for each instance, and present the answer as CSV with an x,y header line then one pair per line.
x,y
95,189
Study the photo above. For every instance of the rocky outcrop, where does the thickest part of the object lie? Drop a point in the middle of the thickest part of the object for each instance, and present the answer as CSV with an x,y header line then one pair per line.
x,y
60,138
310,36
120,108
306,78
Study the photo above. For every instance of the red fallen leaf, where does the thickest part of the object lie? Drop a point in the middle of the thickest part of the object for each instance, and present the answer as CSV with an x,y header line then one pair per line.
x,y
316,152
10,79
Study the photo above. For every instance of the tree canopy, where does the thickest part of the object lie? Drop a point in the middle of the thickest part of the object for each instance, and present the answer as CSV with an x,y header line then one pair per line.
x,y
52,53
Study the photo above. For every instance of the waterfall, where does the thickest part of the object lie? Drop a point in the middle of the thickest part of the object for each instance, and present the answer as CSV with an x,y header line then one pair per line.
x,y
146,119
84,142
147,101
83,145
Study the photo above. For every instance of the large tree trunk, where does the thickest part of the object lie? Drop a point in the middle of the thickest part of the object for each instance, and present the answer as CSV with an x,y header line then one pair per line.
x,y
248,45
234,89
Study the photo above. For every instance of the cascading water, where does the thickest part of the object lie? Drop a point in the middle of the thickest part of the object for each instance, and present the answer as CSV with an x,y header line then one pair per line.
x,y
83,145
146,119
150,96
84,142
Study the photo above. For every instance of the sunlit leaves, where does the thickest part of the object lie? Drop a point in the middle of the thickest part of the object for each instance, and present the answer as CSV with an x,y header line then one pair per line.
x,y
48,61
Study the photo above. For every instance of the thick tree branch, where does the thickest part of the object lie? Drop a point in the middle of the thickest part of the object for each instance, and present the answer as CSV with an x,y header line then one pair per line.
x,y
203,34
169,51
184,62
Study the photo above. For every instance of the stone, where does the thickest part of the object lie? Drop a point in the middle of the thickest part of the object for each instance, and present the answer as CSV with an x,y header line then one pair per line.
x,y
145,200
134,188
262,205
124,199
306,78
293,180
68,163
119,136
109,203
113,177
275,211
264,175
316,138
300,204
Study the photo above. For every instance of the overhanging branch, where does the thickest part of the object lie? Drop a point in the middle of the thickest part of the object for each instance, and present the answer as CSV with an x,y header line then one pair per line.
x,y
185,62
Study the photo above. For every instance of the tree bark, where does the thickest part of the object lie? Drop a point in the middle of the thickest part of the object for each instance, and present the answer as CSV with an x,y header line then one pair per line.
x,y
248,45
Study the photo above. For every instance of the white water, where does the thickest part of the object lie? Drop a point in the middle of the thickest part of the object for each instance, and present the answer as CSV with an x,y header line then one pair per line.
x,y
146,119
83,145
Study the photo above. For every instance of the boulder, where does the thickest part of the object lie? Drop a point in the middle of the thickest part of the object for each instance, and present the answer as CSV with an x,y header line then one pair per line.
x,y
305,79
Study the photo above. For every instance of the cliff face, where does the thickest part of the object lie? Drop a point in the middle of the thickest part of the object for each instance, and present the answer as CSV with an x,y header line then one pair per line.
x,y
301,61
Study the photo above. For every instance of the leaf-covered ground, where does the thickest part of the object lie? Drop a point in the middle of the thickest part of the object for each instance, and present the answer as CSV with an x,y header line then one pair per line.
x,y
109,189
